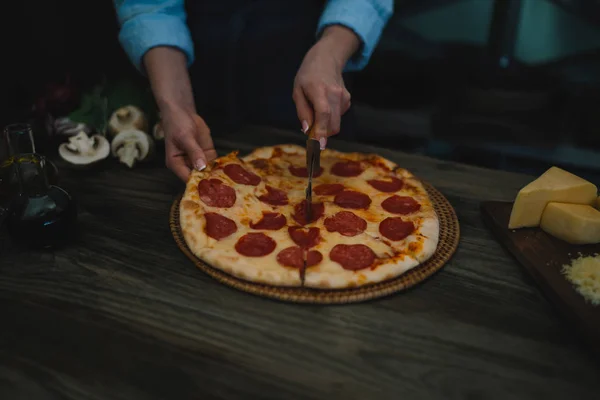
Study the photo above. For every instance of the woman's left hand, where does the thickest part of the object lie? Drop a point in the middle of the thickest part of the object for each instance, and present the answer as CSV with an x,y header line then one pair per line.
x,y
319,92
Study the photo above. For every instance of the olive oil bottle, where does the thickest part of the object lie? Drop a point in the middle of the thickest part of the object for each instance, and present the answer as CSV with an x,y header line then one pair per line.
x,y
40,214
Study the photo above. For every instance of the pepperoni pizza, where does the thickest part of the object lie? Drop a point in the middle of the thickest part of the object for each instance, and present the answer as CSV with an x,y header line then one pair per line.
x,y
371,220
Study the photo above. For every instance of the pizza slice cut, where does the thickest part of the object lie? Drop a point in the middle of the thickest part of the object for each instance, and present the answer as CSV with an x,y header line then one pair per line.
x,y
364,242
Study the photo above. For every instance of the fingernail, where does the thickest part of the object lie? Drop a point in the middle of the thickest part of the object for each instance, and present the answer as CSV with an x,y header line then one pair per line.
x,y
200,164
323,143
304,126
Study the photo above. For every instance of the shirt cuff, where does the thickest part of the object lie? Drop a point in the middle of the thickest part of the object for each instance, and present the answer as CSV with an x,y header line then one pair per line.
x,y
145,31
366,18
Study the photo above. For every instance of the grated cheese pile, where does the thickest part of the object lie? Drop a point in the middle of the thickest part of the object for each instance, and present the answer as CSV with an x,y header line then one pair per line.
x,y
584,273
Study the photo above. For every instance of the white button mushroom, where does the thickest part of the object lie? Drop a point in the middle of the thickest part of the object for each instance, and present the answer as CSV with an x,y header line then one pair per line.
x,y
132,145
82,149
127,117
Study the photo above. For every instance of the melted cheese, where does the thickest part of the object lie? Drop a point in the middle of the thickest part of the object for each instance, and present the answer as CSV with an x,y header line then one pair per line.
x,y
573,223
584,273
554,185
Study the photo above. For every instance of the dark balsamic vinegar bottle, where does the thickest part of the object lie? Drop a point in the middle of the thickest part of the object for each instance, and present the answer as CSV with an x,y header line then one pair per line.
x,y
41,215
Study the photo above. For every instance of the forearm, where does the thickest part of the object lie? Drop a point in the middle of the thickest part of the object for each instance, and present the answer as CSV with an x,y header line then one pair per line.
x,y
149,25
341,42
167,71
365,18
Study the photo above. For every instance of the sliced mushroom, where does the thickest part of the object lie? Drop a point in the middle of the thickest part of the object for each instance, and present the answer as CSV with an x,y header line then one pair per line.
x,y
82,149
128,117
132,145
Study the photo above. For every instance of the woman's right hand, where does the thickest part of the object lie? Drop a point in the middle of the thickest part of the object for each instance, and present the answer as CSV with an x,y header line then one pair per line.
x,y
188,144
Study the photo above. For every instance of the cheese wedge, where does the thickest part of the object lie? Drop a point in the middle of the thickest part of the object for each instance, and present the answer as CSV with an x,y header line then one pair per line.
x,y
555,185
573,223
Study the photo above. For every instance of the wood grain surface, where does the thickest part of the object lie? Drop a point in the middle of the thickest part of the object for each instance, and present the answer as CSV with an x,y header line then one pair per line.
x,y
543,257
121,313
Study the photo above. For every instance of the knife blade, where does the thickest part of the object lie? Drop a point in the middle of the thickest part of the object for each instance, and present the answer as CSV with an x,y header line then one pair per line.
x,y
313,163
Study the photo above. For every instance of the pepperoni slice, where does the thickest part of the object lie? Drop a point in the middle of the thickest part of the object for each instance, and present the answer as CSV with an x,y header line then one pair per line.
x,y
352,256
270,222
387,186
400,205
218,227
346,223
394,228
274,197
328,189
347,168
300,212
291,257
239,175
294,257
313,257
303,237
352,199
302,172
214,193
255,244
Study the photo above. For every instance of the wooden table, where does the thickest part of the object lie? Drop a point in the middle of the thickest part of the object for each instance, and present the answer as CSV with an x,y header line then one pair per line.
x,y
123,314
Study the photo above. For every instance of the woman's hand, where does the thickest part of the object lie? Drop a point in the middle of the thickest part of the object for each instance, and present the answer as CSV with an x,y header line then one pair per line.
x,y
188,144
319,92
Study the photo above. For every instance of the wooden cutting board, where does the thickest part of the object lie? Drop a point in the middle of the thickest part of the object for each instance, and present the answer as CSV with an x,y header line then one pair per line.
x,y
543,257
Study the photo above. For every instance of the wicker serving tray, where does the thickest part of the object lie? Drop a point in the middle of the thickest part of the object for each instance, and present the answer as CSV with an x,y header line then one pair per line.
x,y
448,242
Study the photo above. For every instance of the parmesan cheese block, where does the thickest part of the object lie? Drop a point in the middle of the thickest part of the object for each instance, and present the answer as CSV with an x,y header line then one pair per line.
x,y
584,274
573,223
556,185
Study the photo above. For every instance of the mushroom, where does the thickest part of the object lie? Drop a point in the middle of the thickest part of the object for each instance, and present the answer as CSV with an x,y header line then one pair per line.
x,y
82,149
158,132
132,145
127,117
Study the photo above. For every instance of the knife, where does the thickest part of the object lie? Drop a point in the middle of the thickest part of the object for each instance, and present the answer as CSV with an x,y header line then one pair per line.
x,y
313,163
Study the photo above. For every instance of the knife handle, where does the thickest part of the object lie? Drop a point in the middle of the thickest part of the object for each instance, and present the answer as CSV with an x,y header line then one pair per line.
x,y
311,132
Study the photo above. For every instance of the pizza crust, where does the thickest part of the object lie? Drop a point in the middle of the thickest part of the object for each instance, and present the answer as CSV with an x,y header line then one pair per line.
x,y
332,276
246,269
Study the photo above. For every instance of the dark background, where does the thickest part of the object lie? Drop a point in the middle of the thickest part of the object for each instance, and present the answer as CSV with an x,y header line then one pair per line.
x,y
423,92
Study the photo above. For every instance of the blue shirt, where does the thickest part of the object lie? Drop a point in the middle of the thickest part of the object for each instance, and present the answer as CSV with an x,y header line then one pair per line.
x,y
146,24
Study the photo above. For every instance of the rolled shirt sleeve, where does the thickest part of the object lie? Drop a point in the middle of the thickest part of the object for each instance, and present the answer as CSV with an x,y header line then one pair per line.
x,y
367,18
146,24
